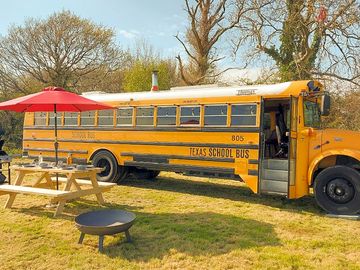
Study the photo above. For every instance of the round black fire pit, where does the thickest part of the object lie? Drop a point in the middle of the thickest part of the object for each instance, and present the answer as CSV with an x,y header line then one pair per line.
x,y
104,222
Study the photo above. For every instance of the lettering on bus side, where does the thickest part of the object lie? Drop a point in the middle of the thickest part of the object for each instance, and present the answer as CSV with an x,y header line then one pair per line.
x,y
217,152
83,135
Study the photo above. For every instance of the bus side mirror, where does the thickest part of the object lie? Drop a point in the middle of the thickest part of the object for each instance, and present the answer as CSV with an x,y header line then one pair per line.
x,y
325,105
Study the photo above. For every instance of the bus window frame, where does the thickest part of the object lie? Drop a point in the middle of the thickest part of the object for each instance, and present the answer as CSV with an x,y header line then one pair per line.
x,y
77,119
256,114
189,106
132,116
157,115
94,117
153,116
45,119
99,116
225,115
59,119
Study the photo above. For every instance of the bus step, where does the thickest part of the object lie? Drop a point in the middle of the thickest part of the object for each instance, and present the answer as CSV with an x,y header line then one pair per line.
x,y
276,164
271,186
276,175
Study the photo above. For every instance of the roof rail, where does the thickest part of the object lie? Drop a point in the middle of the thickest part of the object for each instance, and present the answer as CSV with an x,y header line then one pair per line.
x,y
188,87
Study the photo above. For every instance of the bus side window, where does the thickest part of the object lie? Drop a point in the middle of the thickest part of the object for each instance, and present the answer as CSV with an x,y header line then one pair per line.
x,y
40,119
243,115
52,119
166,116
190,115
124,116
215,115
145,116
71,119
87,118
106,118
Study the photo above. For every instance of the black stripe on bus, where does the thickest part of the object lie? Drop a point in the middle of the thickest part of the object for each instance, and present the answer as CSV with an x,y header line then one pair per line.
x,y
170,129
253,161
253,172
239,146
177,167
155,156
59,150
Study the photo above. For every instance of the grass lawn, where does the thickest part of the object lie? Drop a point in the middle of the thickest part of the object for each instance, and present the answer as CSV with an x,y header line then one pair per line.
x,y
182,223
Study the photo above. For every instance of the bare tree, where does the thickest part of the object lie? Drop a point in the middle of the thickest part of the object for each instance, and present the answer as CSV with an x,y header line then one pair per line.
x,y
208,22
62,50
304,38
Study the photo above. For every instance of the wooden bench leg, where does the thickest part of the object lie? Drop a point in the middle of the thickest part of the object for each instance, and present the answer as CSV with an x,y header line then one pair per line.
x,y
10,201
39,180
61,204
95,185
59,208
49,182
18,181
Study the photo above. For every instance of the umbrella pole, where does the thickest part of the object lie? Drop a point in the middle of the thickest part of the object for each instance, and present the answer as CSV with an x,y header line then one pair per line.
x,y
56,145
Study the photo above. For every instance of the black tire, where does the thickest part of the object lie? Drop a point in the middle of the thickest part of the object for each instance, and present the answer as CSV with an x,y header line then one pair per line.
x,y
123,173
105,159
146,174
337,190
153,174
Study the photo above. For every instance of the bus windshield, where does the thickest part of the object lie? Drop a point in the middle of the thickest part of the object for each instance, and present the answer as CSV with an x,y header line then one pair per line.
x,y
312,114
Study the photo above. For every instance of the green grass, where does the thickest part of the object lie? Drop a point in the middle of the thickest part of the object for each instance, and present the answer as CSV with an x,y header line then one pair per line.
x,y
182,223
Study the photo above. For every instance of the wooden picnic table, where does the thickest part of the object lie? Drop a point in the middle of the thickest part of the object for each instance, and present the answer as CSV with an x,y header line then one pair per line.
x,y
44,185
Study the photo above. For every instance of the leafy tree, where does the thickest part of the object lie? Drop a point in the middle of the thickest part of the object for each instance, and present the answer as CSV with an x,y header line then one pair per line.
x,y
62,50
304,38
344,112
143,60
138,77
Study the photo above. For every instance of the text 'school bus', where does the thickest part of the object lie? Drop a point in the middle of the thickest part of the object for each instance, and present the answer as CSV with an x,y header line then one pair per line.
x,y
268,136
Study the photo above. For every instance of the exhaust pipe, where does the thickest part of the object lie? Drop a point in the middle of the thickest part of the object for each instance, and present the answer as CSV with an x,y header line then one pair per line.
x,y
155,81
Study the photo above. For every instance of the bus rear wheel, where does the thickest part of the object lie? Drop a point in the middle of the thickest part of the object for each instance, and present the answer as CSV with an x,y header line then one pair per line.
x,y
123,173
112,171
146,174
337,190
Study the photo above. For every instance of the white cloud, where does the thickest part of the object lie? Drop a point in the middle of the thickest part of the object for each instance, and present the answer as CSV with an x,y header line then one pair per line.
x,y
129,34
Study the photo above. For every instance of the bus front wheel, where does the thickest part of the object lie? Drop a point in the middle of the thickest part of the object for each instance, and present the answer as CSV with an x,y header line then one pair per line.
x,y
337,190
106,160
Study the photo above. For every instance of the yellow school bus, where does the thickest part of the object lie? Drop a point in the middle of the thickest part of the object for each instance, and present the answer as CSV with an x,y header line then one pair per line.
x,y
268,136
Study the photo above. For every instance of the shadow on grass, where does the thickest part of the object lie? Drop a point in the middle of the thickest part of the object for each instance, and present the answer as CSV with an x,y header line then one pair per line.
x,y
72,209
157,235
234,193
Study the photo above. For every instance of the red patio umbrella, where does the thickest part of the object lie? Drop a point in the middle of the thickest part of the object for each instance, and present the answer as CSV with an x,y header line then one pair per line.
x,y
53,99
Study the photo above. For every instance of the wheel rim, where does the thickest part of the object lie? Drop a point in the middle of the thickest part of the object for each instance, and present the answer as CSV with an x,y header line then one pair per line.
x,y
104,163
340,190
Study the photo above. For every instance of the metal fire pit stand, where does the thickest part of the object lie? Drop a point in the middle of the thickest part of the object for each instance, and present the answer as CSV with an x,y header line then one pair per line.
x,y
101,239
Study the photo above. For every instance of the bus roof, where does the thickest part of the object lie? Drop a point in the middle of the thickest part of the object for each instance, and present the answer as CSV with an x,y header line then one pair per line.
x,y
285,89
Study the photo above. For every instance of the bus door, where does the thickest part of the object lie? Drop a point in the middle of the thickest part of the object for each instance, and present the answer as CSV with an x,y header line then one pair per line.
x,y
279,147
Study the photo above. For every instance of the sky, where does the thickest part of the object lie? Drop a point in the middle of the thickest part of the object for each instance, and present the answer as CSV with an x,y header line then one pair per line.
x,y
156,21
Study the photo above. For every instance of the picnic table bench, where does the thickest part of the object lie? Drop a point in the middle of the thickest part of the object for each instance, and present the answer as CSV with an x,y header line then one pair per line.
x,y
44,185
